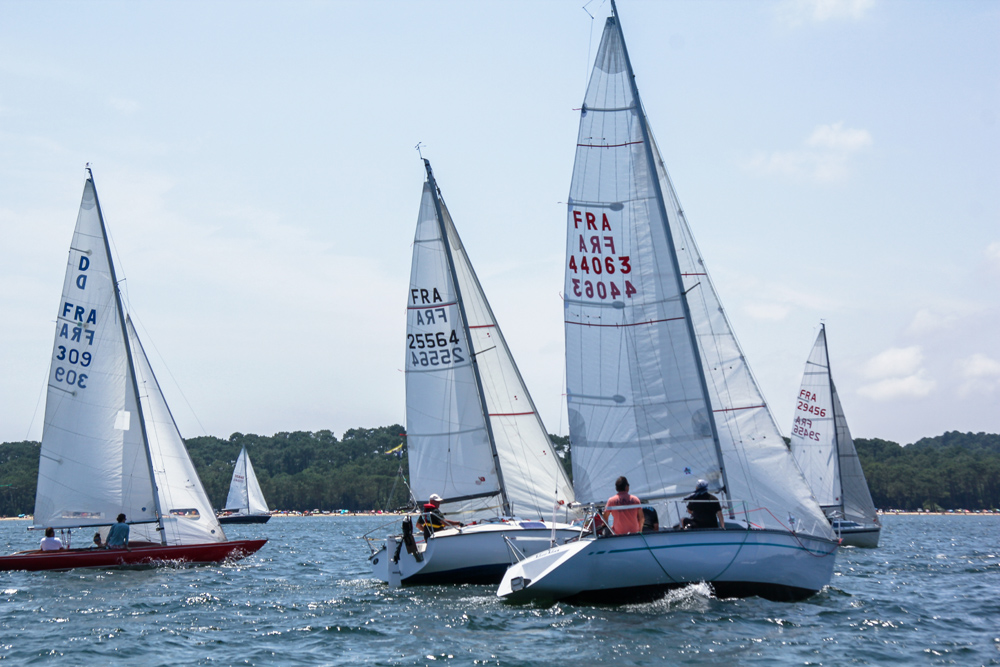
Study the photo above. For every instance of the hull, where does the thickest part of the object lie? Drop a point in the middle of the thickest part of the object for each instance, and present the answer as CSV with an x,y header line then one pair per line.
x,y
775,565
865,537
471,555
138,556
245,518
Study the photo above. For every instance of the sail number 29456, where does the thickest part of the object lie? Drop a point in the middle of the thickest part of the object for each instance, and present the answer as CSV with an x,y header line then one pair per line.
x,y
434,348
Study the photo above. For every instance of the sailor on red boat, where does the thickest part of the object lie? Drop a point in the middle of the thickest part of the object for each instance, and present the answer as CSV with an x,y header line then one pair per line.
x,y
50,542
118,535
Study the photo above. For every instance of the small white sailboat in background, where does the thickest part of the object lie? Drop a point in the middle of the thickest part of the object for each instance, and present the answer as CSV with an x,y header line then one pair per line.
x,y
245,503
822,446
473,434
658,389
110,444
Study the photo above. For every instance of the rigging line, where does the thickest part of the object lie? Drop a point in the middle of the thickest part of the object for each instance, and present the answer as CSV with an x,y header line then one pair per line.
x,y
627,143
167,368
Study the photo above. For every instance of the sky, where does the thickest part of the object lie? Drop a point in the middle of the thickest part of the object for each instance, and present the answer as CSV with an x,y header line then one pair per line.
x,y
838,161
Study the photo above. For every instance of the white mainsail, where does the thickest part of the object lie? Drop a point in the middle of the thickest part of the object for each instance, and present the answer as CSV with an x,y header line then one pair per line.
x,y
658,388
822,445
245,496
473,434
109,445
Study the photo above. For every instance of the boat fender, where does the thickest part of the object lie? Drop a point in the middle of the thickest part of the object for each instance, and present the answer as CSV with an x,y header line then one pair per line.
x,y
411,544
395,556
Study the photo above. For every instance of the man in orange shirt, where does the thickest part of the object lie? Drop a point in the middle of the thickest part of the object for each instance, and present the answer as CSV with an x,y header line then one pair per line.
x,y
627,520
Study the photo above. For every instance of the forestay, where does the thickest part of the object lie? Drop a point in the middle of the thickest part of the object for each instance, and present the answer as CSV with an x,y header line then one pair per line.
x,y
459,429
658,387
245,496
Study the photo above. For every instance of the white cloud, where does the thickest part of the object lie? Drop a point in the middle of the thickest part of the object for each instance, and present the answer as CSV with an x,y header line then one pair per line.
x,y
894,362
797,12
897,373
980,373
837,137
913,386
824,156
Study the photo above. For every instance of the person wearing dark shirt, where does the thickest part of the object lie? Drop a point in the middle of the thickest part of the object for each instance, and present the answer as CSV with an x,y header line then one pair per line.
x,y
650,520
704,508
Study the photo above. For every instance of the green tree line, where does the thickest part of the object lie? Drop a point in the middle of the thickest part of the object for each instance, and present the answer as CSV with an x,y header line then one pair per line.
x,y
315,470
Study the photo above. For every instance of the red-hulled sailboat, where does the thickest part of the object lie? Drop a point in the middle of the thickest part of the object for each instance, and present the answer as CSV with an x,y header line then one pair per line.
x,y
110,444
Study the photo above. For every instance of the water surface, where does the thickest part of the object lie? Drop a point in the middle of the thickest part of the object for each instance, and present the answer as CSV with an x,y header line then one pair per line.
x,y
930,595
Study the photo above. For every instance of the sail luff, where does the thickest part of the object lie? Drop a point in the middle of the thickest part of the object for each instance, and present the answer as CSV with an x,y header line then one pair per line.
x,y
836,434
246,478
468,334
648,147
131,363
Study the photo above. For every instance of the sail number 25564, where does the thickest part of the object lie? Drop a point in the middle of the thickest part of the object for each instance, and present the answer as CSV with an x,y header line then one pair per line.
x,y
435,348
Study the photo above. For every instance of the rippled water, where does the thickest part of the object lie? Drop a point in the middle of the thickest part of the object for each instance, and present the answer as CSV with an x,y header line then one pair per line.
x,y
930,595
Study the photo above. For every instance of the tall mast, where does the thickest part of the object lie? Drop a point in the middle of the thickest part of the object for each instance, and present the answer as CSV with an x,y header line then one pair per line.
x,y
131,365
833,416
648,147
246,479
468,336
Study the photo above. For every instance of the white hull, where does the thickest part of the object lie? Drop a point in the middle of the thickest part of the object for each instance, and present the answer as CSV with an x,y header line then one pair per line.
x,y
737,563
473,554
865,537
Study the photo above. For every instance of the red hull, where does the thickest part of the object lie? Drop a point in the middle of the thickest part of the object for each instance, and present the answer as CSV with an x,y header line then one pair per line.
x,y
139,555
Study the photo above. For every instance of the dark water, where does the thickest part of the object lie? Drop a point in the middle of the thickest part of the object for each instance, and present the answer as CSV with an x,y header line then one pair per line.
x,y
929,596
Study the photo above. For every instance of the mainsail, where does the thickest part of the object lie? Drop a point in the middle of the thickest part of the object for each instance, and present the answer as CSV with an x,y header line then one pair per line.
x,y
658,387
473,434
822,445
245,496
109,444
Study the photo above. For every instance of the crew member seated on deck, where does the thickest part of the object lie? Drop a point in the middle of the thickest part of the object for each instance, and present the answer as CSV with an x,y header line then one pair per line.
x,y
432,519
704,508
50,542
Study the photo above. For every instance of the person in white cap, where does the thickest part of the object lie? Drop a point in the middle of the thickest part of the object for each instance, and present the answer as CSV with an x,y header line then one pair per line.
x,y
704,508
432,519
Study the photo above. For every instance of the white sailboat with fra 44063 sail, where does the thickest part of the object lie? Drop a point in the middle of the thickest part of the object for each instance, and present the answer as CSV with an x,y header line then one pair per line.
x,y
473,436
110,444
659,391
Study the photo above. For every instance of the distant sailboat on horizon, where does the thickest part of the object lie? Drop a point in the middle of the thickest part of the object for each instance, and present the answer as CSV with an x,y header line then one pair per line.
x,y
245,503
822,446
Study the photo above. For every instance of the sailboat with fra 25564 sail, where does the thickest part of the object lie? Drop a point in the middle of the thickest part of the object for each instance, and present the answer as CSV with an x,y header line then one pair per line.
x,y
110,444
473,434
659,391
